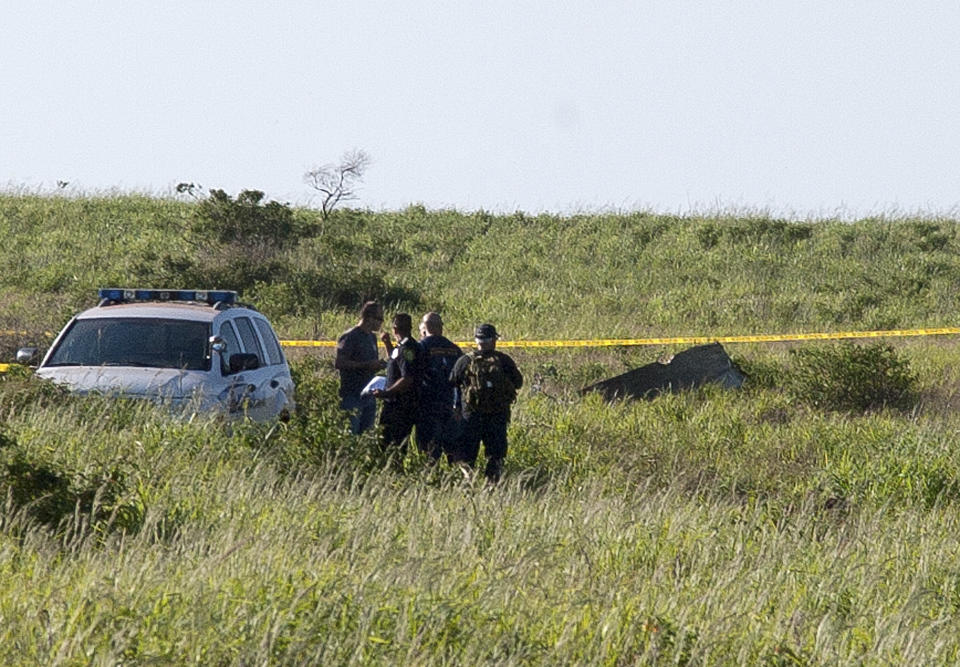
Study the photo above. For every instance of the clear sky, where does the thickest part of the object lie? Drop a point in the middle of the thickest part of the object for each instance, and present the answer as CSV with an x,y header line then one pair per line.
x,y
808,108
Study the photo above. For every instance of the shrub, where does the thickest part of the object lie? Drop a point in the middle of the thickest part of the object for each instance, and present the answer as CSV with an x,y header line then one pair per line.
x,y
234,244
848,377
46,494
245,220
319,430
761,373
249,246
20,391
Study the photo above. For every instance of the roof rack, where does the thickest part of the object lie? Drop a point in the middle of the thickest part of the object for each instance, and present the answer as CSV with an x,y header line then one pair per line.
x,y
114,295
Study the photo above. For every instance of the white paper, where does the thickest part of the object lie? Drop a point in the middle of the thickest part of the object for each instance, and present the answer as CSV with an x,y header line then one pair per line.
x,y
378,382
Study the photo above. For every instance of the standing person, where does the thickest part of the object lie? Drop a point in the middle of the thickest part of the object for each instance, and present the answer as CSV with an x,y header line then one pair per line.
x,y
435,427
488,382
401,394
358,361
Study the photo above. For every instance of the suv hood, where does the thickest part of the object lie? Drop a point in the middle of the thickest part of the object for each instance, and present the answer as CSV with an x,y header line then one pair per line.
x,y
157,383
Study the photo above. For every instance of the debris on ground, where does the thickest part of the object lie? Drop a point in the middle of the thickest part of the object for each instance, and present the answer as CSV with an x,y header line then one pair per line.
x,y
690,368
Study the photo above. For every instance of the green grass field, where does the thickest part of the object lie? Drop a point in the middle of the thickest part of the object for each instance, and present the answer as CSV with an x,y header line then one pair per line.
x,y
770,525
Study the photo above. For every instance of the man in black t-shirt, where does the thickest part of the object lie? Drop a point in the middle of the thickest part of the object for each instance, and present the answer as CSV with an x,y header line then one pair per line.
x,y
401,395
358,361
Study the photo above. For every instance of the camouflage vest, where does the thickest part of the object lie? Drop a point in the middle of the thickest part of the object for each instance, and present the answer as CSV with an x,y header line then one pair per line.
x,y
486,387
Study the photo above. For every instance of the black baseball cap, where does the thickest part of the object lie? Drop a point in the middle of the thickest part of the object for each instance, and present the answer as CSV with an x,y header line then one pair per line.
x,y
486,331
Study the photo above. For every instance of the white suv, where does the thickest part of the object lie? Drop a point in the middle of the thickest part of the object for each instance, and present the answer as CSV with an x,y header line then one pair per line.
x,y
191,348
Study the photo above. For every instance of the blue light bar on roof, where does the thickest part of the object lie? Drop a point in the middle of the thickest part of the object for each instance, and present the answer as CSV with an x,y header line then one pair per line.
x,y
203,296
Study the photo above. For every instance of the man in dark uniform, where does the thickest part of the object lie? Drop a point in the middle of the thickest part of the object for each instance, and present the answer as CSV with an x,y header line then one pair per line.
x,y
358,361
401,393
435,427
488,382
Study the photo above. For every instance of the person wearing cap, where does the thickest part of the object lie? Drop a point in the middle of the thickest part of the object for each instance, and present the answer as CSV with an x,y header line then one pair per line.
x,y
488,382
358,361
401,394
436,426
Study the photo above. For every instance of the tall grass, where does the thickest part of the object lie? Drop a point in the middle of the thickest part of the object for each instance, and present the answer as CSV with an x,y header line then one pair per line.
x,y
696,528
326,566
709,527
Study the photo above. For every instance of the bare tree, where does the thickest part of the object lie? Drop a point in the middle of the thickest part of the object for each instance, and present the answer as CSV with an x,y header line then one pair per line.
x,y
194,190
337,183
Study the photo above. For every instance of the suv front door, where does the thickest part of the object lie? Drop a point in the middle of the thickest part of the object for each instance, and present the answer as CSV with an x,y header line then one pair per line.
x,y
264,397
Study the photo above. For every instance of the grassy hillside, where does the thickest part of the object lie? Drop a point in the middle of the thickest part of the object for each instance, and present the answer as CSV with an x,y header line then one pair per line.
x,y
773,525
544,276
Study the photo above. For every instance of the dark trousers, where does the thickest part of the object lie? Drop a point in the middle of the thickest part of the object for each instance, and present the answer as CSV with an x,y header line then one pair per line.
x,y
363,412
491,429
436,430
396,423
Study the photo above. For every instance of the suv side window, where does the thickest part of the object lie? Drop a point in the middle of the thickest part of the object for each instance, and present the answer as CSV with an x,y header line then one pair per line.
x,y
249,337
270,341
233,346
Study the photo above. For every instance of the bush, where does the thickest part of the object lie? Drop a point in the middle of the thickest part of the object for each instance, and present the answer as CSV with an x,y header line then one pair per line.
x,y
20,390
51,496
761,373
319,430
234,244
249,246
245,220
850,377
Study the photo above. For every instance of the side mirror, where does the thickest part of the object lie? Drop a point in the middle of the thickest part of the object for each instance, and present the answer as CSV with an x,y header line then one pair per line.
x,y
26,354
216,344
244,361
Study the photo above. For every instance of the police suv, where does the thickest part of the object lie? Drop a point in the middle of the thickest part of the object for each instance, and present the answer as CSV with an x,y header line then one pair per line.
x,y
194,349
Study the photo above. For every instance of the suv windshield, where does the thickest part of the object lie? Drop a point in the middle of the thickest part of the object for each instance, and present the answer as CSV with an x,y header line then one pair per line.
x,y
151,343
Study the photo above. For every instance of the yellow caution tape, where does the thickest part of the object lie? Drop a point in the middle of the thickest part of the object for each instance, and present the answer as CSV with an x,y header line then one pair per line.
x,y
685,340
15,332
675,340
759,338
672,340
308,343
